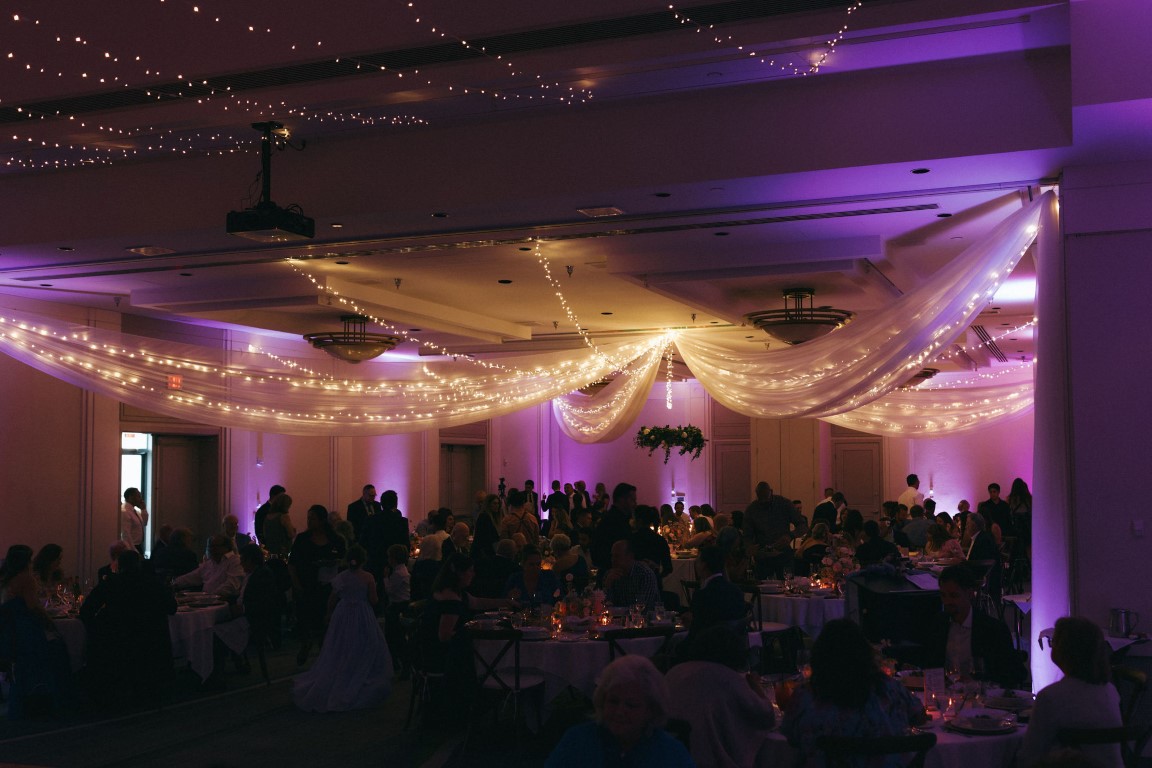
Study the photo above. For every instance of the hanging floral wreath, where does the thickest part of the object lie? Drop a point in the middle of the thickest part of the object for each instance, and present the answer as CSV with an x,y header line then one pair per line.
x,y
688,439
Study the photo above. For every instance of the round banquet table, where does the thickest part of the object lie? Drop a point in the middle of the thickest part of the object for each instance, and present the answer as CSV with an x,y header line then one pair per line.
x,y
808,613
189,628
683,569
952,750
573,662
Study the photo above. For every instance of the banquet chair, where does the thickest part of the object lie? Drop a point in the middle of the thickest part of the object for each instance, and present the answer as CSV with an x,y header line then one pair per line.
x,y
1132,684
779,644
614,636
840,751
424,679
689,588
988,599
1126,737
755,606
508,683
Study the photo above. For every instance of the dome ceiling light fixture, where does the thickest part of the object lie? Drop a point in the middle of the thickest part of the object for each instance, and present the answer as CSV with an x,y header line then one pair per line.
x,y
799,321
354,344
920,378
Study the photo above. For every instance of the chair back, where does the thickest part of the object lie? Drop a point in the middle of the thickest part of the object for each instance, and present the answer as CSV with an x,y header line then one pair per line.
x,y
1125,737
840,750
755,605
490,672
1131,684
689,587
614,637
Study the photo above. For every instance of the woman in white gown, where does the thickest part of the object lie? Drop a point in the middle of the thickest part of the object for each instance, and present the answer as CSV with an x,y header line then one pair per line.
x,y
354,668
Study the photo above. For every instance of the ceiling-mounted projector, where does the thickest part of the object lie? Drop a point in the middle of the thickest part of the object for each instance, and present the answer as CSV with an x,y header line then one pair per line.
x,y
268,222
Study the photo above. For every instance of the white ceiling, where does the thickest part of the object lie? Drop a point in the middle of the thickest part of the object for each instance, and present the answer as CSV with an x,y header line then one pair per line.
x,y
736,178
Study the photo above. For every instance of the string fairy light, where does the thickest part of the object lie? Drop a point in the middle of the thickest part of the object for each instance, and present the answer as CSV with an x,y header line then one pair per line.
x,y
788,67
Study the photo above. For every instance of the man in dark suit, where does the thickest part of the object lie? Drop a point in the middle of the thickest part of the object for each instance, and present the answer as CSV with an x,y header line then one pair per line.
x,y
363,508
716,601
262,512
983,552
381,530
828,512
963,638
616,524
532,496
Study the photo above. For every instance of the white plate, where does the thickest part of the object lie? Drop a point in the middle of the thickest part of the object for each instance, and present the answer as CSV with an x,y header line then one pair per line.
x,y
984,726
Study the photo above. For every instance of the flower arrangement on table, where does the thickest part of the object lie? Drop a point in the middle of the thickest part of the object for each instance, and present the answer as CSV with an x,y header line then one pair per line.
x,y
838,564
688,439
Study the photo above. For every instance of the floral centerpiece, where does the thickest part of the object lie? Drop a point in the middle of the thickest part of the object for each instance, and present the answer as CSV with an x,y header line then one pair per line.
x,y
837,565
688,439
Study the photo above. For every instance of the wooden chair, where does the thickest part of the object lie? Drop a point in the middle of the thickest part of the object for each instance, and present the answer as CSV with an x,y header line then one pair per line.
x,y
615,636
424,679
755,606
689,588
1132,684
510,683
778,646
840,750
1126,737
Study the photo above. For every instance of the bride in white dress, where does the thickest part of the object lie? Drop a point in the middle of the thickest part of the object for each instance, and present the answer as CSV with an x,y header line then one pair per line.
x,y
354,668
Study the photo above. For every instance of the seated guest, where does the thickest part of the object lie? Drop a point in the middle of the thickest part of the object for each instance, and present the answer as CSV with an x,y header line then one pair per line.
x,y
532,584
730,713
126,617
963,638
231,528
457,541
48,568
426,567
916,529
813,549
582,530
941,545
177,558
944,520
721,521
649,546
717,601
875,549
104,571
220,574
847,695
984,550
161,540
492,573
257,610
629,581
1083,698
631,705
570,561
702,533
851,530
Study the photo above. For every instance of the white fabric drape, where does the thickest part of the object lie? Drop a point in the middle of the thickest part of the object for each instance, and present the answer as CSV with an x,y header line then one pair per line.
x,y
871,356
609,413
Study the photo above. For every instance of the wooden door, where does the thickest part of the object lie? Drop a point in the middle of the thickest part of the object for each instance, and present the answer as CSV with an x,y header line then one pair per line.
x,y
461,474
185,492
856,472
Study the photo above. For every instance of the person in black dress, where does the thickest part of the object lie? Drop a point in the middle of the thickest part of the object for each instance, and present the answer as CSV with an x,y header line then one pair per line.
x,y
315,556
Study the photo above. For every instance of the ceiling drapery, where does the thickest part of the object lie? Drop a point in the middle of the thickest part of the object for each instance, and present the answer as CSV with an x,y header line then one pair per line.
x,y
838,375
871,356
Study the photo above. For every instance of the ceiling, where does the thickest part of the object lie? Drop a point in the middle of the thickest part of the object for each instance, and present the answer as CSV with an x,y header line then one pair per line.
x,y
448,148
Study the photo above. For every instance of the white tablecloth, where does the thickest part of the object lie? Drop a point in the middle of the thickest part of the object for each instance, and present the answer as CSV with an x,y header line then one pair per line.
x,y
563,663
808,613
683,569
952,750
191,633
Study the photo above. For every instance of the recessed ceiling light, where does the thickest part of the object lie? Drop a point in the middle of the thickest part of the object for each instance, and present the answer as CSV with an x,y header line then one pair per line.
x,y
337,225
45,285
605,313
185,274
943,215
150,250
415,330
504,282
749,337
919,171
65,248
525,248
440,215
662,194
720,234
342,263
714,322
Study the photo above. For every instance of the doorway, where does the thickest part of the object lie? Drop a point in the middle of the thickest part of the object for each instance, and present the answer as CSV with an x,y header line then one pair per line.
x,y
185,486
462,473
857,469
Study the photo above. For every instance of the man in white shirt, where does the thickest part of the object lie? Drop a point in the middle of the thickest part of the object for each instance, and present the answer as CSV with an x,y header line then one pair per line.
x,y
221,574
133,519
912,496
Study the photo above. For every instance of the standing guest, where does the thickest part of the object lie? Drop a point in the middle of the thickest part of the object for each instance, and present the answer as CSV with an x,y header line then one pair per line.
x,y
628,581
398,591
615,524
558,505
219,574
383,531
316,554
177,558
278,532
263,510
1083,698
581,499
631,704
133,518
996,511
962,638
363,508
126,618
531,498
829,511
532,584
1020,507
600,502
770,524
231,529
730,712
519,519
487,528
570,561
457,541
650,547
911,494
354,668
114,551
847,695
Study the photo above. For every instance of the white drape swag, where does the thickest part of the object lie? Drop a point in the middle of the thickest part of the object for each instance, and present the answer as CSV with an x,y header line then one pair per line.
x,y
842,375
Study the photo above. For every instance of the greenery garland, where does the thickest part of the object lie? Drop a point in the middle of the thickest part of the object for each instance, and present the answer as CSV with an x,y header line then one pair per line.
x,y
688,439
